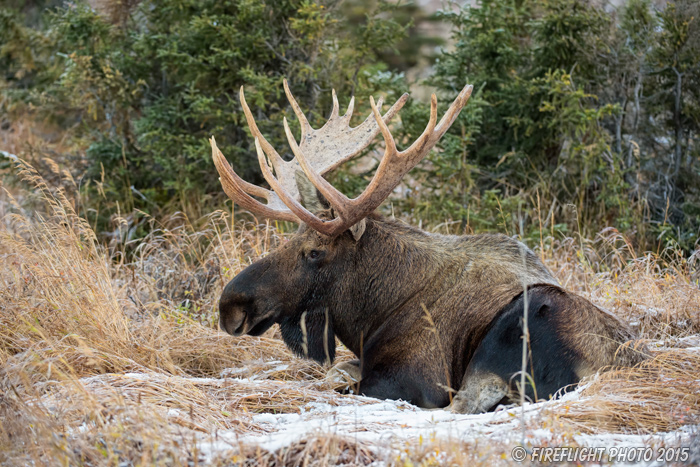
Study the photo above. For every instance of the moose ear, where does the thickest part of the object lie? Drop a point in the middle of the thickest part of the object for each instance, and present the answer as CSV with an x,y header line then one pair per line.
x,y
358,229
311,198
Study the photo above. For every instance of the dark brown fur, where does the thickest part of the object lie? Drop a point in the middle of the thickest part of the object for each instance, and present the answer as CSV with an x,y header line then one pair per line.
x,y
375,295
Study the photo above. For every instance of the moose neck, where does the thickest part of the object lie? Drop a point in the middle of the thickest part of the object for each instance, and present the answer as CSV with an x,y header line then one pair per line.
x,y
394,263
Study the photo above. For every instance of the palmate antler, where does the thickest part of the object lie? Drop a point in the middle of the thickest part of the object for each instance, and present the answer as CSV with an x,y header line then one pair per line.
x,y
321,151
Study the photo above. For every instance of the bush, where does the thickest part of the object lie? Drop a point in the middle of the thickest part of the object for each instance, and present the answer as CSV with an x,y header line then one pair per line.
x,y
575,106
145,84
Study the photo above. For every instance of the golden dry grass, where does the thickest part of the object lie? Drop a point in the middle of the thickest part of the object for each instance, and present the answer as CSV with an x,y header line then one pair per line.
x,y
662,394
109,358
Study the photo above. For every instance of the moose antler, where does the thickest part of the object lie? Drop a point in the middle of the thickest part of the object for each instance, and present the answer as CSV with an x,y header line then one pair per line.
x,y
329,147
325,149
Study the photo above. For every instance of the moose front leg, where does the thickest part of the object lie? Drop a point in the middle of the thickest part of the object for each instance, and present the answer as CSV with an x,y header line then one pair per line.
x,y
408,384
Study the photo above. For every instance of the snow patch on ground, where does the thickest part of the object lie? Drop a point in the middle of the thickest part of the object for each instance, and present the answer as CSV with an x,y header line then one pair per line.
x,y
382,423
388,425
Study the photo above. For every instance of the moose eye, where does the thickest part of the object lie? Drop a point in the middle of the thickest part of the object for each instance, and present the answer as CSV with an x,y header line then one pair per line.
x,y
314,254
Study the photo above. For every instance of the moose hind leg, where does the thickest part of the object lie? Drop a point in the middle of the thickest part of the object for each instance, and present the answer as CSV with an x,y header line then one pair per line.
x,y
497,362
346,373
481,391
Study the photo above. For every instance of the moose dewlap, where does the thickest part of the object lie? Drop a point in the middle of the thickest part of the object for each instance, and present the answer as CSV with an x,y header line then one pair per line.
x,y
429,315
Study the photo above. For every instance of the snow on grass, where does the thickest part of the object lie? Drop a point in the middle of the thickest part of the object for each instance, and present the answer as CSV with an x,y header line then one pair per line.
x,y
229,415
388,425
366,419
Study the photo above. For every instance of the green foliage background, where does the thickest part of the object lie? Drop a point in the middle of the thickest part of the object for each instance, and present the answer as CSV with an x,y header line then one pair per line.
x,y
582,117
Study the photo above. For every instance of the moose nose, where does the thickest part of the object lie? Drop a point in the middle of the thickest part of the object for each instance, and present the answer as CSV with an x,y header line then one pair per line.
x,y
233,307
240,299
232,321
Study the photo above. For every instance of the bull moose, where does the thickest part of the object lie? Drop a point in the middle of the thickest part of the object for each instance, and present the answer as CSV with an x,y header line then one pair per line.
x,y
427,315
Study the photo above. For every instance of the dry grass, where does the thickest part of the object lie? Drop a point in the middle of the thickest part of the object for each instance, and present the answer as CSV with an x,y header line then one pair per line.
x,y
662,394
109,358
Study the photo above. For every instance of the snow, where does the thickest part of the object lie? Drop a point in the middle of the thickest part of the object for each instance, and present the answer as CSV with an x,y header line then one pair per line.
x,y
372,420
9,156
387,425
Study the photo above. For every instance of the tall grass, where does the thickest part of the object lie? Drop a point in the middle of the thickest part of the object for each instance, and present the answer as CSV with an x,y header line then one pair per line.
x,y
72,309
110,353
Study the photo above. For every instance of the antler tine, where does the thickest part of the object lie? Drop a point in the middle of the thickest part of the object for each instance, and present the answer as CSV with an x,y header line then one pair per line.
x,y
451,115
417,149
351,107
277,161
335,110
386,134
239,190
305,127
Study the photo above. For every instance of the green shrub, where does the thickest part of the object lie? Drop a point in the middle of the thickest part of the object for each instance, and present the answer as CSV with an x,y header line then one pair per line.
x,y
582,115
145,93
